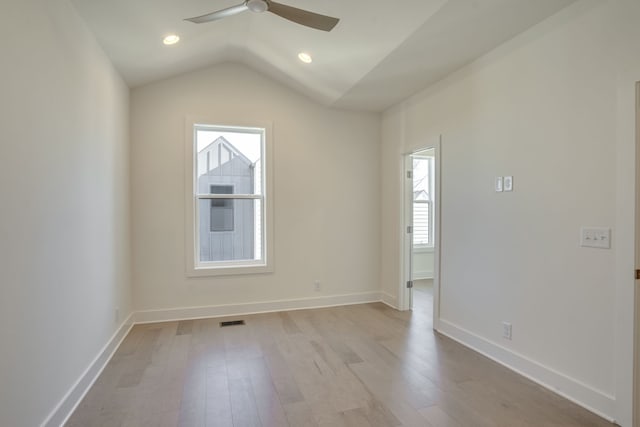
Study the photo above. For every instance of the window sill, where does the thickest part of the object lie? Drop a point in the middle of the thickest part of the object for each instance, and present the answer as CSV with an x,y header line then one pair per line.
x,y
423,249
232,270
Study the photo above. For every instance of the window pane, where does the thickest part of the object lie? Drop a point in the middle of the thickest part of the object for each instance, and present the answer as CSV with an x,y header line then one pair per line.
x,y
231,230
222,213
422,200
228,158
421,223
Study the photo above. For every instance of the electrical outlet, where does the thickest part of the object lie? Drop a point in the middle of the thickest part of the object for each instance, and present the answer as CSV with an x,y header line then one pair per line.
x,y
506,330
498,184
316,285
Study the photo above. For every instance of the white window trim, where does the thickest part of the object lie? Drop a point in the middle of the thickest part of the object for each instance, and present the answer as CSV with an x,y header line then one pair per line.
x,y
192,267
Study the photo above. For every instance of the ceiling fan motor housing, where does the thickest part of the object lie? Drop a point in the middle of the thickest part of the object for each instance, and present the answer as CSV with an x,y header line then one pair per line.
x,y
257,5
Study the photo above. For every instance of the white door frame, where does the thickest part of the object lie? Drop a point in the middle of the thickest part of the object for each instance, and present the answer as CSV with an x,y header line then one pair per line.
x,y
636,323
404,293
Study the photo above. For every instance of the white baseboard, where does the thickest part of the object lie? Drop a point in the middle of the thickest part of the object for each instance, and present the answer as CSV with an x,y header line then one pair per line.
x,y
389,299
170,314
76,393
594,400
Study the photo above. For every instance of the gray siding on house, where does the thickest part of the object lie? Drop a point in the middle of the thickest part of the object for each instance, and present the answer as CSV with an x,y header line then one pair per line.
x,y
230,234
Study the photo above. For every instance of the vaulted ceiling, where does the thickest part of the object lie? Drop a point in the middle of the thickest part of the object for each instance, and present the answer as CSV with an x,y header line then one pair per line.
x,y
379,53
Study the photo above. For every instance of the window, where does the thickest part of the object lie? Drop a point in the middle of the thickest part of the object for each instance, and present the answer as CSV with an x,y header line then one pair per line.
x,y
228,208
423,179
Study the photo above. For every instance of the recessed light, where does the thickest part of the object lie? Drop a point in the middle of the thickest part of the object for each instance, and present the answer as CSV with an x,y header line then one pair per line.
x,y
305,57
171,39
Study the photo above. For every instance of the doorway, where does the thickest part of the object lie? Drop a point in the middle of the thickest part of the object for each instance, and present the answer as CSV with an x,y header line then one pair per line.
x,y
421,205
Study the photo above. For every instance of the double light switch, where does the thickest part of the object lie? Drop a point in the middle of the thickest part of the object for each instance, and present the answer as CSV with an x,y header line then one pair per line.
x,y
504,183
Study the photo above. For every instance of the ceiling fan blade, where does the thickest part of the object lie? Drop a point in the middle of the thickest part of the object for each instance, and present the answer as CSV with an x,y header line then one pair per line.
x,y
233,10
303,17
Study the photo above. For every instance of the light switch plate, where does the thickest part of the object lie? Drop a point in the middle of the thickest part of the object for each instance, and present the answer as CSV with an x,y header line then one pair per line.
x,y
498,184
508,183
595,237
506,330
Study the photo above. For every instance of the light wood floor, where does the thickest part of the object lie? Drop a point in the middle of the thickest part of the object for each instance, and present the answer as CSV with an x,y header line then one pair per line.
x,y
423,298
361,365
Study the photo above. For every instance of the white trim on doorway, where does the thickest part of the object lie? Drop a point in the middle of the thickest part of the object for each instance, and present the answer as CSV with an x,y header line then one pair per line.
x,y
636,317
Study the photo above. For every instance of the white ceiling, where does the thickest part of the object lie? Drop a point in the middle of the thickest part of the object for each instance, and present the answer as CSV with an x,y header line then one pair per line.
x,y
379,53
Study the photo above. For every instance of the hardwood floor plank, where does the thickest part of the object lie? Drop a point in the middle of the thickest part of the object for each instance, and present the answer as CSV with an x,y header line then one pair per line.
x,y
379,415
270,410
217,400
300,415
288,324
133,375
184,327
438,418
356,418
243,405
282,377
325,415
381,385
194,394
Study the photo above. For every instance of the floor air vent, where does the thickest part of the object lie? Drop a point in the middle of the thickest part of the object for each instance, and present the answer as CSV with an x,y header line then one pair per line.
x,y
232,323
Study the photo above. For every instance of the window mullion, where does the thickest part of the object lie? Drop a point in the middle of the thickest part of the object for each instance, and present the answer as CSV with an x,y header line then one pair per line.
x,y
230,196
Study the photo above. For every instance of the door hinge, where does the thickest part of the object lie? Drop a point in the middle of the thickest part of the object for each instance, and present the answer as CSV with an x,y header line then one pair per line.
x,y
410,284
409,229
409,174
637,274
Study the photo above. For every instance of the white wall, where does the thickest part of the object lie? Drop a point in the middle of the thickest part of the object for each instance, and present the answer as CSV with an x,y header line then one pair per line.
x,y
550,108
326,191
64,220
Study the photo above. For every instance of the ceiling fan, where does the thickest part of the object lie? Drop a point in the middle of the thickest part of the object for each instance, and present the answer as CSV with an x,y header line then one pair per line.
x,y
302,17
